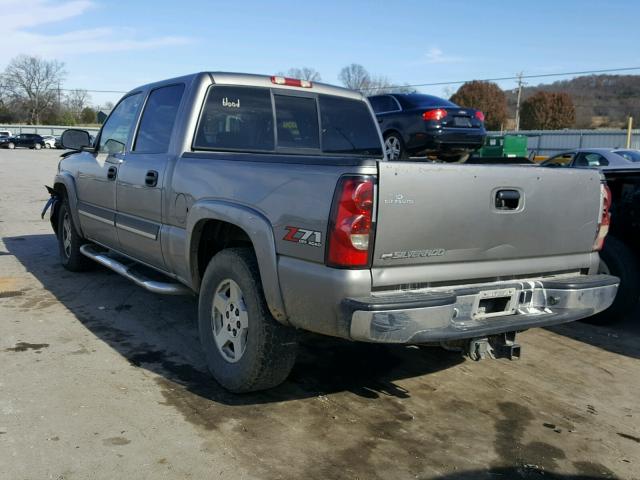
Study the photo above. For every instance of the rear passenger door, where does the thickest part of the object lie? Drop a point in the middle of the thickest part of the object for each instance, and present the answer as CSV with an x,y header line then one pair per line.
x,y
140,185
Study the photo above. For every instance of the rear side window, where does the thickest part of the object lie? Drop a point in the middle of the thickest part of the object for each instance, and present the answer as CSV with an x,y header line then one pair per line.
x,y
384,103
348,127
158,118
297,119
236,118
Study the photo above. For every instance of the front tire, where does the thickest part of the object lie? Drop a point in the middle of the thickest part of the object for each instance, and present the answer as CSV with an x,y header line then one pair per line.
x,y
617,259
11,145
394,147
246,349
69,242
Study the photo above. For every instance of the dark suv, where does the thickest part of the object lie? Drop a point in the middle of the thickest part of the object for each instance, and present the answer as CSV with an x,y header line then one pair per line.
x,y
28,140
417,124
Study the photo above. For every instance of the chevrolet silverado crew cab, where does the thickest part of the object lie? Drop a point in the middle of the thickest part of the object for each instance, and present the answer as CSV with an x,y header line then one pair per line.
x,y
271,199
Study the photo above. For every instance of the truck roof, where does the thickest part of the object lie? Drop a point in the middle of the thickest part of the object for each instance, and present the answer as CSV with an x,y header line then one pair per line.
x,y
248,79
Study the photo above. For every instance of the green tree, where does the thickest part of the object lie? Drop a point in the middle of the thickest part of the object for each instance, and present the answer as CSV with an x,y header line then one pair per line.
x,y
547,111
88,115
487,97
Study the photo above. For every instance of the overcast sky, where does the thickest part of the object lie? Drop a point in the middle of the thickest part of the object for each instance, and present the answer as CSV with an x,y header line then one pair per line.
x,y
119,44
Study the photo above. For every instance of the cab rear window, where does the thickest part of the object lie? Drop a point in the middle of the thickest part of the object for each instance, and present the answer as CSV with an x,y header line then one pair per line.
x,y
243,119
236,118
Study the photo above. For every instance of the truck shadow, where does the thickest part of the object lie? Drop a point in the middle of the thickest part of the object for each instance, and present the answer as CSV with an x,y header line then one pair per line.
x,y
622,337
159,333
529,472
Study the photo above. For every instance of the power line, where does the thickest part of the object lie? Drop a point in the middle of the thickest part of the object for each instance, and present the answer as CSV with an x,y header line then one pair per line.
x,y
498,79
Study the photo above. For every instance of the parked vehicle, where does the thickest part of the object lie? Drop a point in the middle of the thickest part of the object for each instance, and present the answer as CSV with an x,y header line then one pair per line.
x,y
271,199
28,140
417,124
621,253
49,141
5,133
601,158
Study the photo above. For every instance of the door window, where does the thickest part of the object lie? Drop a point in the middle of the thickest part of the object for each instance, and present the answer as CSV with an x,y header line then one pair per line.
x,y
563,160
158,119
116,130
590,159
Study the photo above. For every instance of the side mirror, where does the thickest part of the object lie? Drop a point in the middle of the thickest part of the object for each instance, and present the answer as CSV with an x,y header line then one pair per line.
x,y
75,139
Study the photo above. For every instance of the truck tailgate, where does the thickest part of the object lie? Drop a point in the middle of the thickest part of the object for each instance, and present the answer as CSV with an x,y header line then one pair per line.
x,y
432,213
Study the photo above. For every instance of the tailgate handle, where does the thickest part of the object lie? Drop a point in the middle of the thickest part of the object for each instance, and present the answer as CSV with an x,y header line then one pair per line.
x,y
507,199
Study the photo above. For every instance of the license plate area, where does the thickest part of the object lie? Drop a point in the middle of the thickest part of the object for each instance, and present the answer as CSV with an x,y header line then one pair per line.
x,y
495,303
461,121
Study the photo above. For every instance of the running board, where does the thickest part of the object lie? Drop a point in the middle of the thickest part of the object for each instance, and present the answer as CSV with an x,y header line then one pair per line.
x,y
164,288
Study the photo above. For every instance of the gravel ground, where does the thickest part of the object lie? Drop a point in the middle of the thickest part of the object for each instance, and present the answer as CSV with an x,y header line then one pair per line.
x,y
100,379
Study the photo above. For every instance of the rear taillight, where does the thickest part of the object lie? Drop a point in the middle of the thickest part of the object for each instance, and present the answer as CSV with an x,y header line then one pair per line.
x,y
605,217
480,115
351,225
437,114
291,82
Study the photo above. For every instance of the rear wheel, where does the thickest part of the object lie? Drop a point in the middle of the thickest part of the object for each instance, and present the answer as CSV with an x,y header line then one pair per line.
x,y
37,146
394,147
617,259
246,349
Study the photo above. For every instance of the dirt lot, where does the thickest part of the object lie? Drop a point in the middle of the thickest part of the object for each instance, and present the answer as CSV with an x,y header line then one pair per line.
x,y
100,379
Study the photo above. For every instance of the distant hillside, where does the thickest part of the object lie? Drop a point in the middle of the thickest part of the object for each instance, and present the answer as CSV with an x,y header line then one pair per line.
x,y
600,100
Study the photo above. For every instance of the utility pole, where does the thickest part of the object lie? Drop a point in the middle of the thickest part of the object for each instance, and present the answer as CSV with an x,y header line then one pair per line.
x,y
520,83
629,129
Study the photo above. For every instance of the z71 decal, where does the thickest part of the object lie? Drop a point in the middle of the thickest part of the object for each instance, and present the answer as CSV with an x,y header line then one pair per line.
x,y
305,237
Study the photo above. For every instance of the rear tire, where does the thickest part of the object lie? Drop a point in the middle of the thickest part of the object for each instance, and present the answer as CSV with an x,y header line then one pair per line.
x,y
37,146
394,147
69,242
617,259
246,349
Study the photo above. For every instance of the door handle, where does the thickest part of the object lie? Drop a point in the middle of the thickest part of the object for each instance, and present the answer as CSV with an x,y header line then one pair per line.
x,y
151,178
112,173
507,199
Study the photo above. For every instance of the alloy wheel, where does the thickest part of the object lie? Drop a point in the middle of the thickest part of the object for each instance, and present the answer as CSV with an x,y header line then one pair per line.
x,y
230,320
392,147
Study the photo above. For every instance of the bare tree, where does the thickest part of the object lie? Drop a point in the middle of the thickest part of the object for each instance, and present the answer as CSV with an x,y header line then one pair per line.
x,y
355,77
304,73
76,101
33,83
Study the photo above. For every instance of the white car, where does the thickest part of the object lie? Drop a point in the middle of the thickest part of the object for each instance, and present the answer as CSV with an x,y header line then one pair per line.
x,y
49,141
6,133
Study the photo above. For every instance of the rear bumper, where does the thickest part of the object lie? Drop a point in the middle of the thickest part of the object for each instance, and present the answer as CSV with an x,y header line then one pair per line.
x,y
450,138
443,315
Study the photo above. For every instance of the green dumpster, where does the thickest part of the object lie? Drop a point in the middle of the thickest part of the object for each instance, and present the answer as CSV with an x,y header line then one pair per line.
x,y
504,146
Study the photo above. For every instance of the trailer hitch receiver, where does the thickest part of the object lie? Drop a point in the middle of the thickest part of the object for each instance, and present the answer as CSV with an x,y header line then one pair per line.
x,y
494,346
